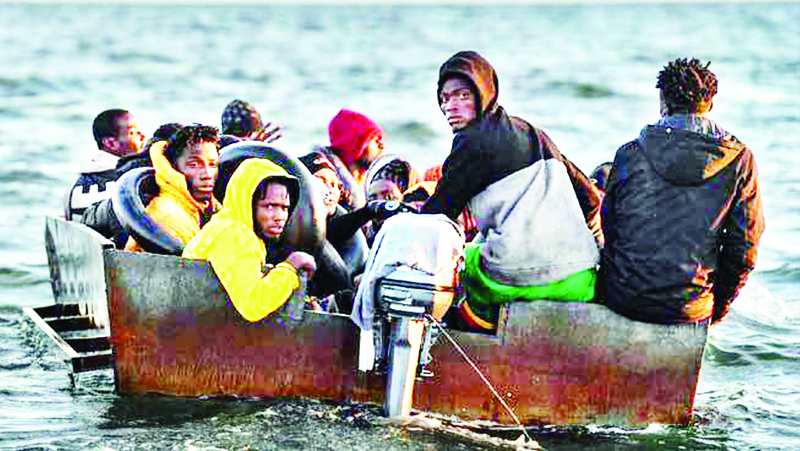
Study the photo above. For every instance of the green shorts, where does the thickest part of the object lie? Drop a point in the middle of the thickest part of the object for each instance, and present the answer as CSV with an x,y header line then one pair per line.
x,y
483,292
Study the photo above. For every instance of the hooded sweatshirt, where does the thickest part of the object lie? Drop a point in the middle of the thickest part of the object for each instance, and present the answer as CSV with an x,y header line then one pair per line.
x,y
682,218
237,254
174,209
531,204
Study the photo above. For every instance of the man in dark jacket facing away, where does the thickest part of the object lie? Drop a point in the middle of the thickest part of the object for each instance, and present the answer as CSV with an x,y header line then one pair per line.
x,y
682,213
532,205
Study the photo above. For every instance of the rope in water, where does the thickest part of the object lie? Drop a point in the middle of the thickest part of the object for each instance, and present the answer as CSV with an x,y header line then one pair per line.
x,y
485,380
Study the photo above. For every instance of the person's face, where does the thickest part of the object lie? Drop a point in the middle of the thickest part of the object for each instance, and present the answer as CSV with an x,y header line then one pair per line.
x,y
332,191
129,140
457,103
199,164
383,189
272,211
372,150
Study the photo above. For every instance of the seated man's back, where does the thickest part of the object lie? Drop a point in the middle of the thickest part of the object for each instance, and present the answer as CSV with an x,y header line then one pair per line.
x,y
682,213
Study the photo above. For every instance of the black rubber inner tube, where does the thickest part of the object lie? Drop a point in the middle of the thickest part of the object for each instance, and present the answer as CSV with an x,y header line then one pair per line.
x,y
129,200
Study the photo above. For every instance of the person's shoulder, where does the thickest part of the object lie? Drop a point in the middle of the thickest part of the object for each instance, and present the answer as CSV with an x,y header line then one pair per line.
x,y
633,145
128,163
96,178
99,161
518,123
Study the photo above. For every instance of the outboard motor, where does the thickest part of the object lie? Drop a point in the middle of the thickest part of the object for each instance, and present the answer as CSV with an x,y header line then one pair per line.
x,y
406,297
408,279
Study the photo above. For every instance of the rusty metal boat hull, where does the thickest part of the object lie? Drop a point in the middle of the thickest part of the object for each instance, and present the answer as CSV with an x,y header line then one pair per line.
x,y
174,332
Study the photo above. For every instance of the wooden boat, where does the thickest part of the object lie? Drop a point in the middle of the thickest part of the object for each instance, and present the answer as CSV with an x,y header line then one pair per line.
x,y
173,331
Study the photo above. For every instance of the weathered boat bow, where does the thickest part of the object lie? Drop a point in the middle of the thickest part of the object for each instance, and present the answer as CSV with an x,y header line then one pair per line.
x,y
78,322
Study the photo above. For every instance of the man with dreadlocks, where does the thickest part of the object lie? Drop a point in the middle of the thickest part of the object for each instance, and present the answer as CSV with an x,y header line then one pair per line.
x,y
682,213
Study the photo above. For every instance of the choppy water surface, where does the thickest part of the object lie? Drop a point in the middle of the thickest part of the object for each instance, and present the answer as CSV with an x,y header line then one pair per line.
x,y
585,75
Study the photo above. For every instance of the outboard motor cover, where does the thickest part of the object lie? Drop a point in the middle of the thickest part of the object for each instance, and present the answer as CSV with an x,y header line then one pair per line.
x,y
408,292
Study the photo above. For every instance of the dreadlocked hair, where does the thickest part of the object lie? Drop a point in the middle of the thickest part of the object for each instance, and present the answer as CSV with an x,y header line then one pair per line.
x,y
187,136
686,84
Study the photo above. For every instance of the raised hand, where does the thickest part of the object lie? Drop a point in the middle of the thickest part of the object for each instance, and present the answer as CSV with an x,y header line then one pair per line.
x,y
269,133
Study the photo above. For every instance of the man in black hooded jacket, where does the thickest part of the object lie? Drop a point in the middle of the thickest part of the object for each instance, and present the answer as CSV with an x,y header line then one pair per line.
x,y
682,214
534,209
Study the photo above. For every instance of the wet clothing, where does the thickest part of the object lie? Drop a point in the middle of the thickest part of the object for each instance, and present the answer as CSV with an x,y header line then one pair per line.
x,y
237,254
531,204
682,217
174,209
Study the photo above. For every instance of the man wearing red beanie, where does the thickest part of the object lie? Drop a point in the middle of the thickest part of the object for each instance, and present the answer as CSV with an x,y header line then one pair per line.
x,y
356,141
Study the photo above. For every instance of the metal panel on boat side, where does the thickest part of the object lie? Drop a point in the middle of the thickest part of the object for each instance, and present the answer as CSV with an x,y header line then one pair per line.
x,y
75,260
177,333
569,363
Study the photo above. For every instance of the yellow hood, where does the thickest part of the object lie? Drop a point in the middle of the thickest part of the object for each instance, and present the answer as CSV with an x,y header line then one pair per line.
x,y
238,203
172,183
174,209
237,254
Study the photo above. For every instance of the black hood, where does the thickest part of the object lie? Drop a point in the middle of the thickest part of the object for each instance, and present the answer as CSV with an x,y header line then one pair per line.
x,y
685,157
478,72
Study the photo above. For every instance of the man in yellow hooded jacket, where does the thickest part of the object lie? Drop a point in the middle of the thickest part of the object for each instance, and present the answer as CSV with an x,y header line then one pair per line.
x,y
240,241
186,170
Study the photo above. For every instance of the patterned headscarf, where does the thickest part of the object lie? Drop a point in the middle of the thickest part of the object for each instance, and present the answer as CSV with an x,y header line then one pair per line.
x,y
240,119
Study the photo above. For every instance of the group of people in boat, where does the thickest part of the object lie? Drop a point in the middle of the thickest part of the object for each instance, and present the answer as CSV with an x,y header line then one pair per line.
x,y
667,233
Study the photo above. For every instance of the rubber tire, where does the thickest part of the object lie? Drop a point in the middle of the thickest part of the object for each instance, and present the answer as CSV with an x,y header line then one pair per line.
x,y
354,250
129,207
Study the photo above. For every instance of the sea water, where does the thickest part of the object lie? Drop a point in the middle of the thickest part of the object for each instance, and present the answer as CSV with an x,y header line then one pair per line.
x,y
584,74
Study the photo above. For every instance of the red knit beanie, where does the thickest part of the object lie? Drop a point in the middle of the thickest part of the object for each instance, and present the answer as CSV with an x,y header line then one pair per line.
x,y
349,132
